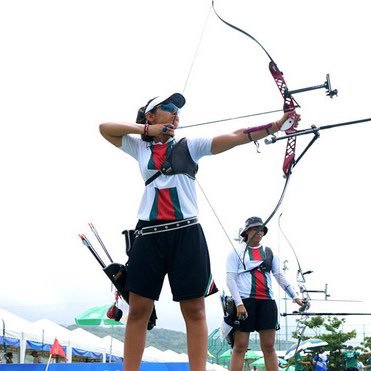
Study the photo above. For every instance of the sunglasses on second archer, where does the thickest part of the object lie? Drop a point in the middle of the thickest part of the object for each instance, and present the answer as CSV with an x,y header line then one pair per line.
x,y
168,107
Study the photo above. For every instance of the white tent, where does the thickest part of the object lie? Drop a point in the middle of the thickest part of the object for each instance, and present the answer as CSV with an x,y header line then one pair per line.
x,y
114,346
86,340
214,367
45,331
14,327
12,322
152,354
48,331
174,356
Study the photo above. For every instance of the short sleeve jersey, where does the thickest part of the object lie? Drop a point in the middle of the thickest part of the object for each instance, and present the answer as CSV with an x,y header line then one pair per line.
x,y
167,197
350,357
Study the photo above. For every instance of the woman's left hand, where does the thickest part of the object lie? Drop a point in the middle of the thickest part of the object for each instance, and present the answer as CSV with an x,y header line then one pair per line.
x,y
289,120
299,302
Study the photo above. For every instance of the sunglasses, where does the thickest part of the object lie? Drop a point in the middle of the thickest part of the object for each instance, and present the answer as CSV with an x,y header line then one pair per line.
x,y
168,107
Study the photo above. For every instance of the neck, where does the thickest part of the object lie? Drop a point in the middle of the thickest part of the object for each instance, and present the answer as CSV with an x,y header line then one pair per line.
x,y
161,138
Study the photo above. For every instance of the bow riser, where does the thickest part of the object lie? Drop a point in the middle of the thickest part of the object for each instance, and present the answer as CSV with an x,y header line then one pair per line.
x,y
288,106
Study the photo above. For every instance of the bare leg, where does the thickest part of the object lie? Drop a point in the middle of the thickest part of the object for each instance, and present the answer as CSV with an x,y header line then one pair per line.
x,y
241,343
136,328
193,311
267,338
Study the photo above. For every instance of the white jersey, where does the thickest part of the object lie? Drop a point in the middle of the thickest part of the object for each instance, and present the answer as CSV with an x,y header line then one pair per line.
x,y
253,283
167,197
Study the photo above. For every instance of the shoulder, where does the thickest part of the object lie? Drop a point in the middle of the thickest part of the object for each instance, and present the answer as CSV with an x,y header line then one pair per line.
x,y
268,250
130,139
199,146
235,254
132,144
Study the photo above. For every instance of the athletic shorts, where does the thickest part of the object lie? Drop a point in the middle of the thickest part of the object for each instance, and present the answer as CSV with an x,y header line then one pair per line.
x,y
261,315
182,254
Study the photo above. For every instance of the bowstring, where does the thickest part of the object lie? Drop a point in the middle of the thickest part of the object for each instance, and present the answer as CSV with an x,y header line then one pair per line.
x,y
197,50
184,88
301,324
232,118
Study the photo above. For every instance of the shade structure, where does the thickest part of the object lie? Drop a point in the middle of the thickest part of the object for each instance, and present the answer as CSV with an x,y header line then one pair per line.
x,y
260,362
307,344
96,316
250,354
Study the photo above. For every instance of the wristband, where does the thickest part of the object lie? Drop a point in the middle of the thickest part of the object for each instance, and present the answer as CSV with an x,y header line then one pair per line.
x,y
146,126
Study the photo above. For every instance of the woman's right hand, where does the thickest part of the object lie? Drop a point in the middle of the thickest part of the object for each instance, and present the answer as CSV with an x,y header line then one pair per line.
x,y
241,312
159,130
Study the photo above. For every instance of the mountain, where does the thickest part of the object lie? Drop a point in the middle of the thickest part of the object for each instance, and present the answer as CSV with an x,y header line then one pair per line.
x,y
158,337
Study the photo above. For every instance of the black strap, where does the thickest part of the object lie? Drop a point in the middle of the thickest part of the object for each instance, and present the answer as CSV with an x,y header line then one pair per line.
x,y
266,264
152,178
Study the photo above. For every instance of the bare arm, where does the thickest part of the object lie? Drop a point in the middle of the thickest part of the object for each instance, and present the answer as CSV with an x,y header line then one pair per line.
x,y
225,142
113,132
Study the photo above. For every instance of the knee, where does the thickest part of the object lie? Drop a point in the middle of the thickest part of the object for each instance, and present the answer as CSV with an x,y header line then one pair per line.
x,y
240,348
268,348
195,312
139,313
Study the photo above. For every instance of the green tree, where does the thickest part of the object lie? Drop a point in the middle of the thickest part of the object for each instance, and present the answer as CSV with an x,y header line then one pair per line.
x,y
333,335
365,349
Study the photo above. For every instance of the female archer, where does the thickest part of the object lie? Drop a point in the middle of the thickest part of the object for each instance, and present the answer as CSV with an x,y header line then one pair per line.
x,y
169,239
249,271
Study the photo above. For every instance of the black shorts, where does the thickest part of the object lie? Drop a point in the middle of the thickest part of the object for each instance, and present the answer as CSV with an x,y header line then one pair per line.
x,y
180,253
261,315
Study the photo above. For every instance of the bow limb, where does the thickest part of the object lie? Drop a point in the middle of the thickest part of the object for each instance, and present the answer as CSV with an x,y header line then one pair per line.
x,y
301,323
289,105
242,31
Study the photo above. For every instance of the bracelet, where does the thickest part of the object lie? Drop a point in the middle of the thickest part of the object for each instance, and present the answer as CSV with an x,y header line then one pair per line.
x,y
146,126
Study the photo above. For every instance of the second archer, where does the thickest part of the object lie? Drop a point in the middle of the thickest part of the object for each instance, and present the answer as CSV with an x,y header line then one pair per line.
x,y
249,281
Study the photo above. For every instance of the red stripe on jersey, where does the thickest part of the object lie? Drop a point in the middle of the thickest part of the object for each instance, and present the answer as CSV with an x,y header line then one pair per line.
x,y
165,205
261,288
159,155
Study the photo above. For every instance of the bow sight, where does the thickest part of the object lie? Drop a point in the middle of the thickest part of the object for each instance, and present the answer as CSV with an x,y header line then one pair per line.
x,y
326,85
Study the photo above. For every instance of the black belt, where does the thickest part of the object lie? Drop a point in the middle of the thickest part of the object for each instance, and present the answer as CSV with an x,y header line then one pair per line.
x,y
166,227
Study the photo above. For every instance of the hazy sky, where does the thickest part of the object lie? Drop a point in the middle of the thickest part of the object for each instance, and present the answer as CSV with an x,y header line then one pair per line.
x,y
67,66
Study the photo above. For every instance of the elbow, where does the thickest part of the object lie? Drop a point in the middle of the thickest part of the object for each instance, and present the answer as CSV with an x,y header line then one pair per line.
x,y
103,128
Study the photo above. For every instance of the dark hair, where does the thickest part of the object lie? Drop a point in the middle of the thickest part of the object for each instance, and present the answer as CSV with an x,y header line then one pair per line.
x,y
141,119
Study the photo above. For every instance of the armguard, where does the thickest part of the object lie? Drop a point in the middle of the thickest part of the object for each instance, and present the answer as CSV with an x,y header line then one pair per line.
x,y
265,127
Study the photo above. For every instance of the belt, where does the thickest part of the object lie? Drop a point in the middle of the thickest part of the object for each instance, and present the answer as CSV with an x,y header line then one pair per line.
x,y
166,227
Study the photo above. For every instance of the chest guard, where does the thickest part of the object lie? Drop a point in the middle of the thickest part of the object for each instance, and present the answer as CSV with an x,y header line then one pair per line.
x,y
179,161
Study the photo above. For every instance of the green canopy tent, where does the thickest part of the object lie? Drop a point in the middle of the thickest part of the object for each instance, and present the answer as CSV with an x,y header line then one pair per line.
x,y
97,316
260,362
250,354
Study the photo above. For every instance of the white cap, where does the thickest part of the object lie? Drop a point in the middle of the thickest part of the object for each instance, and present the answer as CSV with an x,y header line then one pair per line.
x,y
175,98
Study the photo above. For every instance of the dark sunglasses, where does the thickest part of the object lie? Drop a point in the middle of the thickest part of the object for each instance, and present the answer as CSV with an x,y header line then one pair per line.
x,y
168,107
